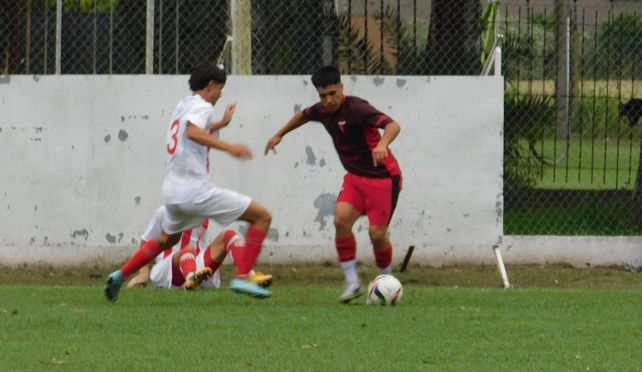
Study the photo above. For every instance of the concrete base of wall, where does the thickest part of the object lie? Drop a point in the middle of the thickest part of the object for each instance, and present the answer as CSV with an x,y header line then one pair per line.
x,y
584,251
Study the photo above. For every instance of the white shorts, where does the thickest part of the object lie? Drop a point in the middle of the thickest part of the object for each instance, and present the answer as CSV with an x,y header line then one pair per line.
x,y
161,273
224,207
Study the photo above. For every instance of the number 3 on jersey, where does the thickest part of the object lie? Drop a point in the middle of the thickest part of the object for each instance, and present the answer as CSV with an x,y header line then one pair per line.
x,y
172,140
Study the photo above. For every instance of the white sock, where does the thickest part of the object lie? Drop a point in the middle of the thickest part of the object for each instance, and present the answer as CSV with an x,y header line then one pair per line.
x,y
385,270
350,271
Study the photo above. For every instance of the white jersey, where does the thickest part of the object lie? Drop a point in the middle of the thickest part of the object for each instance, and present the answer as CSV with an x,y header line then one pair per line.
x,y
186,172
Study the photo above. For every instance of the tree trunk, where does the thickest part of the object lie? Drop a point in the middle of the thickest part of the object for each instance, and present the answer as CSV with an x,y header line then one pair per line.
x,y
13,28
453,48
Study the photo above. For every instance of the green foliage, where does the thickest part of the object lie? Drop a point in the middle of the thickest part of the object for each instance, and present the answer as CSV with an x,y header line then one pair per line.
x,y
86,6
600,114
574,213
528,49
612,50
413,55
545,22
486,33
620,45
357,54
526,119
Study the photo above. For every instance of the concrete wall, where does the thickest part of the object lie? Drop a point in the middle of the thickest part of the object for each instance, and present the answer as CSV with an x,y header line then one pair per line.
x,y
83,164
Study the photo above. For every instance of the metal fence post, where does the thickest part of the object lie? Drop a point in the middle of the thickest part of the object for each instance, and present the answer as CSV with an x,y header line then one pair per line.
x,y
149,38
58,35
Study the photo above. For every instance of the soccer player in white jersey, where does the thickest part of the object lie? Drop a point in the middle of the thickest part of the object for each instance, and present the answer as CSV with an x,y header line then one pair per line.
x,y
173,266
189,194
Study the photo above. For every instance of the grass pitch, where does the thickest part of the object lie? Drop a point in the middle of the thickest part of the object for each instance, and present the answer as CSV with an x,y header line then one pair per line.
x,y
556,318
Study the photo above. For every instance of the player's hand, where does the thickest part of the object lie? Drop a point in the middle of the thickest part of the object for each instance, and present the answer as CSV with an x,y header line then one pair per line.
x,y
229,112
240,151
379,154
140,280
271,144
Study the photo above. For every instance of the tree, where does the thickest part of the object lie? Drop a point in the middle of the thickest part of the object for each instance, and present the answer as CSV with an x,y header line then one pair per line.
x,y
453,47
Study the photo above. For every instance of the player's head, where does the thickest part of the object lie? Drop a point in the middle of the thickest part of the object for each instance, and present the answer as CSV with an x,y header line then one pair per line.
x,y
208,80
327,81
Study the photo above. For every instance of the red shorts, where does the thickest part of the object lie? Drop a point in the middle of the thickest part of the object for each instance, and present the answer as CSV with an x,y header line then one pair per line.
x,y
374,197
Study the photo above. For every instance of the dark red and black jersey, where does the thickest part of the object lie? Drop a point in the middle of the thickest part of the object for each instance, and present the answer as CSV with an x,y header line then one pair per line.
x,y
354,129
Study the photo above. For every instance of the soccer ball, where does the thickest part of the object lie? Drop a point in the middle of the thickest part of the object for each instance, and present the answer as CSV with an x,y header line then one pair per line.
x,y
384,290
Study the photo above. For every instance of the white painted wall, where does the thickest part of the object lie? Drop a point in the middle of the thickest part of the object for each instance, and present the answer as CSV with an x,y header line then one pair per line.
x,y
83,163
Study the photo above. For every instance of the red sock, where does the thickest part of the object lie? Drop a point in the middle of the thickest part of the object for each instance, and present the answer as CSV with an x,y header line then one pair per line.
x,y
346,247
207,260
233,244
246,258
383,257
187,263
142,257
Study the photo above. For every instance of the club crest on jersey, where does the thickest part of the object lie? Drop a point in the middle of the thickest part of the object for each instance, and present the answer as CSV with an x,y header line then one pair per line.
x,y
342,124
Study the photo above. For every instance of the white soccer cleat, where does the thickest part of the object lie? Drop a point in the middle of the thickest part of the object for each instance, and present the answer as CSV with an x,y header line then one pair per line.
x,y
351,291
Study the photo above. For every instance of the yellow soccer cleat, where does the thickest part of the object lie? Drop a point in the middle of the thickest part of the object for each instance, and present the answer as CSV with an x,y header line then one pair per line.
x,y
194,280
263,280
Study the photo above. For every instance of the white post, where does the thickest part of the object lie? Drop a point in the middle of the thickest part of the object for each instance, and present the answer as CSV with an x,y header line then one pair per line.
x,y
498,61
500,265
58,36
149,38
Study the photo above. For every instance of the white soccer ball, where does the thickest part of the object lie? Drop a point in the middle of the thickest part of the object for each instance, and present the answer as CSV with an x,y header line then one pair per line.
x,y
384,290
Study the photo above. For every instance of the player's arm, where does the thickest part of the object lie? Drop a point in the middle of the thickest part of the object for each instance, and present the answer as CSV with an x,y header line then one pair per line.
x,y
225,120
296,121
390,132
141,278
204,138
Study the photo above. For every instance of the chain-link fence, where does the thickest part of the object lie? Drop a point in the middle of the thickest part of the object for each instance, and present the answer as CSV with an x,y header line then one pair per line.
x,y
573,73
438,37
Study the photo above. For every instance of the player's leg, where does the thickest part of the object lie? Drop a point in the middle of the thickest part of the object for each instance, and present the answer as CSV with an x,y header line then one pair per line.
x,y
344,218
260,220
230,242
142,257
245,259
227,206
216,252
382,248
188,276
347,211
381,197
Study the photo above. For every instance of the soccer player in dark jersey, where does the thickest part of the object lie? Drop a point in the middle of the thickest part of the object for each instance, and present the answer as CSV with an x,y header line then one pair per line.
x,y
371,186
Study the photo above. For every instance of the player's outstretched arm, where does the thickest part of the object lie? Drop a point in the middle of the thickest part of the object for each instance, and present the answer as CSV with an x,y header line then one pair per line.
x,y
204,138
296,121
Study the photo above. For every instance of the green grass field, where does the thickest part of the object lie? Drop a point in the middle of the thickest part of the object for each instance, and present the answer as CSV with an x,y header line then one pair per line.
x,y
588,165
555,318
587,193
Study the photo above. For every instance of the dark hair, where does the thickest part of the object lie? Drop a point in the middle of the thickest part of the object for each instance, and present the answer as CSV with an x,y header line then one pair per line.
x,y
203,73
325,76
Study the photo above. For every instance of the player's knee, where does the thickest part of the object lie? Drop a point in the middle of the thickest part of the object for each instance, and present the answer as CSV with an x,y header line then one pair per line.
x,y
378,235
342,225
266,217
262,219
